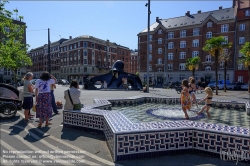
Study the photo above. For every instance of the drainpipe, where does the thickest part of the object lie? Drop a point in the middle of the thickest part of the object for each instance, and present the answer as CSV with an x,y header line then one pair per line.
x,y
235,47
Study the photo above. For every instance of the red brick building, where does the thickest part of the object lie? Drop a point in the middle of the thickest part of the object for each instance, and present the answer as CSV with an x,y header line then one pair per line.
x,y
174,40
79,58
242,14
134,64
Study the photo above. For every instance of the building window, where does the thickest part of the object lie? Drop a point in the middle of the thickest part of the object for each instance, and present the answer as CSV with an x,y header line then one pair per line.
x,y
150,37
209,24
85,53
159,61
93,62
150,67
225,51
242,27
240,66
170,45
170,35
209,35
170,56
226,39
160,41
182,66
219,76
182,77
93,45
241,40
196,43
159,70
159,31
208,58
240,54
247,13
150,47
240,79
182,55
208,68
224,28
183,33
79,44
6,29
85,44
85,61
159,51
74,46
150,57
221,65
170,66
183,44
70,47
195,53
196,32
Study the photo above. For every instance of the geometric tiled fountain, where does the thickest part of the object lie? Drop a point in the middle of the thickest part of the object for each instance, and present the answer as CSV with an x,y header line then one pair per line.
x,y
128,140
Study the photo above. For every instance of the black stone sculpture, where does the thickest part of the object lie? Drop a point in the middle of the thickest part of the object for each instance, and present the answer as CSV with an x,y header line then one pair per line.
x,y
114,78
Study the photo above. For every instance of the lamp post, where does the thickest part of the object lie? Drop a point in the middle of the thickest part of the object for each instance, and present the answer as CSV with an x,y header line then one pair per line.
x,y
107,63
148,5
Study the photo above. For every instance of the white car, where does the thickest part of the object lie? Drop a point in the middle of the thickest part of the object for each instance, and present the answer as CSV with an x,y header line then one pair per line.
x,y
220,86
244,87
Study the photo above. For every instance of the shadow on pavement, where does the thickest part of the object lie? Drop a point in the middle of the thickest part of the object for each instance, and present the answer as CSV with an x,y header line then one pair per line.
x,y
17,130
31,138
70,133
10,120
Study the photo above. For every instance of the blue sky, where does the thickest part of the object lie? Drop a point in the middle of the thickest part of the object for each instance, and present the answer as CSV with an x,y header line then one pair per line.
x,y
118,21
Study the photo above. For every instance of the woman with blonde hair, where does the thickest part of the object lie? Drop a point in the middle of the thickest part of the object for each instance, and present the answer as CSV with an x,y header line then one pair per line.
x,y
208,100
27,96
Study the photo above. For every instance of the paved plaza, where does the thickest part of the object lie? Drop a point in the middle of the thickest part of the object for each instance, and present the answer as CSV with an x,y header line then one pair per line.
x,y
92,148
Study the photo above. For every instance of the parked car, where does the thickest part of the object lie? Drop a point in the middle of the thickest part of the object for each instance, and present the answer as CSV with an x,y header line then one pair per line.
x,y
63,82
244,87
235,85
174,84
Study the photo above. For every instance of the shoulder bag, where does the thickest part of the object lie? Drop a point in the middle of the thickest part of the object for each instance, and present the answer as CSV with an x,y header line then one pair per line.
x,y
75,106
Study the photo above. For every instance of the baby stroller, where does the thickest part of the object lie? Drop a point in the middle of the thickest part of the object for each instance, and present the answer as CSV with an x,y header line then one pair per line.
x,y
9,101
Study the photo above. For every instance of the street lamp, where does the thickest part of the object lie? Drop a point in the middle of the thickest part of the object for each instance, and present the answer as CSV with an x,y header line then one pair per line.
x,y
107,63
148,5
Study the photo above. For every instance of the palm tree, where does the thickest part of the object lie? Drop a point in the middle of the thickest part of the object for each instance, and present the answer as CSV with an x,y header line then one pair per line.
x,y
224,57
246,59
193,64
215,46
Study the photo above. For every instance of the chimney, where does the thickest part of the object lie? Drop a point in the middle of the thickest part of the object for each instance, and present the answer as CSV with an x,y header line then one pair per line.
x,y
188,13
70,37
199,11
157,18
220,7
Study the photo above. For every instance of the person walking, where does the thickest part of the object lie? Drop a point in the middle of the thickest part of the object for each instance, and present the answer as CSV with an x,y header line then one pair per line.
x,y
43,98
72,94
27,96
54,107
105,85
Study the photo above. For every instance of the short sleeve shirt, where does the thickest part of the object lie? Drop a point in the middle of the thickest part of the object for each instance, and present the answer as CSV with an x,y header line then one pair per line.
x,y
44,86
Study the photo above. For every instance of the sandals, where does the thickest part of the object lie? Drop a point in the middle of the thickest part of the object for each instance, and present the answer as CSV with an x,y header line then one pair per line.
x,y
47,124
39,125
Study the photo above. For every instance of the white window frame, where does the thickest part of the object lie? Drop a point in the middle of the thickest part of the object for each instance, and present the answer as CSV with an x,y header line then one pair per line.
x,y
159,61
160,31
224,28
183,33
209,24
208,58
159,50
240,66
85,44
221,65
160,41
182,55
240,79
182,44
182,66
182,77
150,67
241,40
242,27
159,70
209,35
150,48
195,43
171,45
226,38
150,37
196,31
247,13
150,57
170,35
195,53
208,68
170,56
170,66
85,53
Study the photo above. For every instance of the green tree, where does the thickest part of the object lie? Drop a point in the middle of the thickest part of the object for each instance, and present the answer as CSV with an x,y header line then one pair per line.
x,y
246,60
193,64
215,46
13,52
225,58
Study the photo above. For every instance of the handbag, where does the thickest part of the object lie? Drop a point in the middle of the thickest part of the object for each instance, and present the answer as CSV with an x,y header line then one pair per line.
x,y
34,108
75,106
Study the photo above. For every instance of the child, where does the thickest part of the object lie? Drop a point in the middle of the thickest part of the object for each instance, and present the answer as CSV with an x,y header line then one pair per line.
x,y
208,99
185,98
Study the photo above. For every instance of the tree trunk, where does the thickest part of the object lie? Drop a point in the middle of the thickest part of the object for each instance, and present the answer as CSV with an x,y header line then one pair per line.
x,y
225,75
216,70
249,79
15,77
193,71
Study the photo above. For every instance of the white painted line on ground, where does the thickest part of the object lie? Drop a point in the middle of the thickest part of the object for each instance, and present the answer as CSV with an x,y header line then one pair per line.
x,y
80,160
35,149
74,147
10,148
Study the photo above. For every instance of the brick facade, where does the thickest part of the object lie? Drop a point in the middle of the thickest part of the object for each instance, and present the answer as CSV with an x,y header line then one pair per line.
x,y
134,64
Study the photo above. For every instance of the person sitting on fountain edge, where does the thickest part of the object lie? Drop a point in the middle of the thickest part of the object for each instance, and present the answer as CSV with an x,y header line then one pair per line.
x,y
145,89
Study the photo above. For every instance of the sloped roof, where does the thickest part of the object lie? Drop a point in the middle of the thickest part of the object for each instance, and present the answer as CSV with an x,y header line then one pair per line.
x,y
194,19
